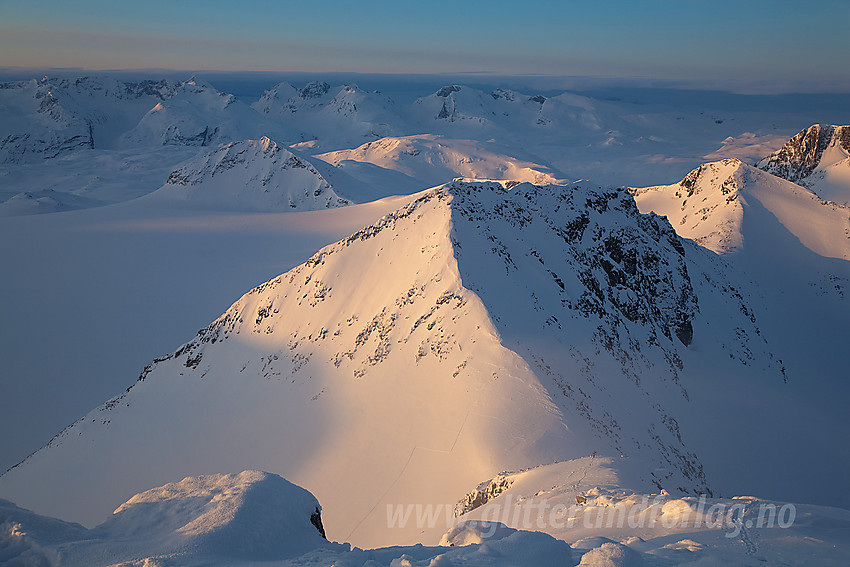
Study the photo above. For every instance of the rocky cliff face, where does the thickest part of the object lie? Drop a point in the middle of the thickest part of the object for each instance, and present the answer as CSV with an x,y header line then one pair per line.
x,y
803,154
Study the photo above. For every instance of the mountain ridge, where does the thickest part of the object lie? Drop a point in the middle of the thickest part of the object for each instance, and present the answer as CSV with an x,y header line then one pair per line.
x,y
249,175
718,202
818,158
459,372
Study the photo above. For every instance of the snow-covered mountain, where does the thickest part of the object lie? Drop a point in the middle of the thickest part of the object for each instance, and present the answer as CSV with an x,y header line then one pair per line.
x,y
475,330
430,160
717,203
249,175
488,348
197,114
49,117
458,108
818,158
792,249
331,117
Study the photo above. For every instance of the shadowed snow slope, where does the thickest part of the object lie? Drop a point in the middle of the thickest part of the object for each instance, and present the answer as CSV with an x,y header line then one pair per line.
x,y
474,330
251,175
330,117
48,118
196,114
791,250
46,201
718,203
818,157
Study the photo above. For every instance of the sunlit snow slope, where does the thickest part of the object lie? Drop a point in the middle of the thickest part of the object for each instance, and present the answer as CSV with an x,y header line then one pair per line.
x,y
713,203
434,159
475,330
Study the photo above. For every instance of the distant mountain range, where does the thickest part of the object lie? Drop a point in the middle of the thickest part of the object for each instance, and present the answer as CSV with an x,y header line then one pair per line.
x,y
506,331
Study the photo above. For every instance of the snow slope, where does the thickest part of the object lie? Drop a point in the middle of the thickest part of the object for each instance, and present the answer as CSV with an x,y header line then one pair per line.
x,y
818,158
432,160
791,250
712,203
472,331
252,517
239,519
122,284
246,516
584,503
249,175
46,201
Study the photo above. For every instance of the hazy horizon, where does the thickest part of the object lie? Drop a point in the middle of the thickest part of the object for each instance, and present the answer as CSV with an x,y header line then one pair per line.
x,y
759,46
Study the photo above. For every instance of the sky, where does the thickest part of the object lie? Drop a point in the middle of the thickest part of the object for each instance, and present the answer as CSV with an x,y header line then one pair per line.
x,y
711,40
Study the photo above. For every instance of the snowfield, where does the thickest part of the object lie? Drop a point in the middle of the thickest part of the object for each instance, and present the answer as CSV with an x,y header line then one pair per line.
x,y
255,518
441,326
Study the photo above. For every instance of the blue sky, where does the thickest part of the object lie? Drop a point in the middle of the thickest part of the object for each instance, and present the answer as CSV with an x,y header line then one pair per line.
x,y
744,40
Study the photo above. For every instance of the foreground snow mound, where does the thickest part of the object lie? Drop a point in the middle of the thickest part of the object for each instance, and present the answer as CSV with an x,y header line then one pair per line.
x,y
250,175
818,157
243,519
252,517
475,330
249,515
720,203
475,531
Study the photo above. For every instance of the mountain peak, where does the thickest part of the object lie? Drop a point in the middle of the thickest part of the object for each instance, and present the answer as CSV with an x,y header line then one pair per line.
x,y
482,327
249,175
314,89
447,90
709,206
818,158
804,153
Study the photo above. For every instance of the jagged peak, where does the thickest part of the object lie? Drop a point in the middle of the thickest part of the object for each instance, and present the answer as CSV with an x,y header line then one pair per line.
x,y
196,84
503,94
708,176
314,89
447,90
267,144
800,156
